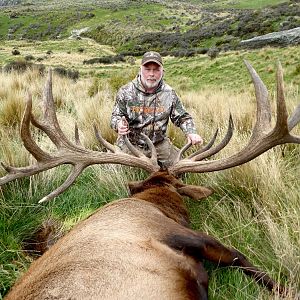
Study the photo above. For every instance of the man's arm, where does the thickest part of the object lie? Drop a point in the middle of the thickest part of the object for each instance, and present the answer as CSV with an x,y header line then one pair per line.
x,y
181,118
119,113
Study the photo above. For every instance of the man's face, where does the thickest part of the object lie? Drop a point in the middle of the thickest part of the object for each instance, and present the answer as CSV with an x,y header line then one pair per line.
x,y
151,74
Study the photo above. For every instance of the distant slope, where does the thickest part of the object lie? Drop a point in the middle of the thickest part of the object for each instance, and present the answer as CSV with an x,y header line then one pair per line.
x,y
180,28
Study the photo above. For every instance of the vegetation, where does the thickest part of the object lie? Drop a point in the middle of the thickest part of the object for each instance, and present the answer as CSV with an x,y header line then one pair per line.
x,y
179,29
255,207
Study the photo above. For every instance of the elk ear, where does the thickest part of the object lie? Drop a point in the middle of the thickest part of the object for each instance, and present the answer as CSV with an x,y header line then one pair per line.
x,y
135,186
194,192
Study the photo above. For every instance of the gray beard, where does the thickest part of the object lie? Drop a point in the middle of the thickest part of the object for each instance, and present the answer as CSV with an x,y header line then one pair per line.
x,y
149,85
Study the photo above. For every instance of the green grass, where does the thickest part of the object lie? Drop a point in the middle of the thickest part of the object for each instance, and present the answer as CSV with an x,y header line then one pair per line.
x,y
228,71
241,4
257,4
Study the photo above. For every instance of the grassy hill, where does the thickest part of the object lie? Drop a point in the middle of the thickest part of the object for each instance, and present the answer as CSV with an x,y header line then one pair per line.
x,y
182,28
197,72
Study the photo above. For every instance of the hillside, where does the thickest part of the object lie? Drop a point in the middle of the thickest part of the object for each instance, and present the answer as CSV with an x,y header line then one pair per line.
x,y
178,28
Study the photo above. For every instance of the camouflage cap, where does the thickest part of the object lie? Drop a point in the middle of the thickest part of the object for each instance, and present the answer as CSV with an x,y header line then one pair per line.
x,y
152,56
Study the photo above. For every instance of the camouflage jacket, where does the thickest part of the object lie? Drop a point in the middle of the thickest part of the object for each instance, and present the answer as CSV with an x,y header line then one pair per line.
x,y
149,113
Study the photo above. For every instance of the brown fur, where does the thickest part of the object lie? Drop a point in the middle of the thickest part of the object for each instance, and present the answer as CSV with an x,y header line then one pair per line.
x,y
133,248
43,238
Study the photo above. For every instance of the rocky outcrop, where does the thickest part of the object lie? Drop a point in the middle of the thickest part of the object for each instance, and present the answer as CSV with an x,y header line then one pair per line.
x,y
75,34
281,38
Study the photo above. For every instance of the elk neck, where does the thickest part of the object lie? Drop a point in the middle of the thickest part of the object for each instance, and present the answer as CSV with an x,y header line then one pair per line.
x,y
167,200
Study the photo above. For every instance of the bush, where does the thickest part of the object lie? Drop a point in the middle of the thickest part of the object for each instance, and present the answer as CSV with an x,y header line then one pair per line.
x,y
213,52
23,65
15,52
297,70
69,73
117,80
29,57
105,60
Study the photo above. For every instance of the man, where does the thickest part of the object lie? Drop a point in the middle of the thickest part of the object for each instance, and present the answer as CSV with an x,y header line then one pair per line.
x,y
145,105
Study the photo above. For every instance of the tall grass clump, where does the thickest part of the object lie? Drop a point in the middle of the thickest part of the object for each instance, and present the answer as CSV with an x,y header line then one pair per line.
x,y
255,207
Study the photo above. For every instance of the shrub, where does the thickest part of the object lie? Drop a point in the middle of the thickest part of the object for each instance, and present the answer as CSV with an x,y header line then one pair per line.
x,y
29,57
213,52
69,73
15,52
105,60
297,70
23,65
120,79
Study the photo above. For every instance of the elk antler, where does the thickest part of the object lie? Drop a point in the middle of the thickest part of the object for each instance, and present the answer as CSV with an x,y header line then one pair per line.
x,y
263,138
67,152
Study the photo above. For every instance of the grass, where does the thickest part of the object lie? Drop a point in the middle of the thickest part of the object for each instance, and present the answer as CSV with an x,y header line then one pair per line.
x,y
63,52
226,71
241,4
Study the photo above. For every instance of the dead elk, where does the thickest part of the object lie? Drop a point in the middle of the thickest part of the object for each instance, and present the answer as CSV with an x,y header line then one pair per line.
x,y
140,247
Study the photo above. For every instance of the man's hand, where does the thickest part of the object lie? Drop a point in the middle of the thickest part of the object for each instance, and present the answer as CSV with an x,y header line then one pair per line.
x,y
123,126
195,138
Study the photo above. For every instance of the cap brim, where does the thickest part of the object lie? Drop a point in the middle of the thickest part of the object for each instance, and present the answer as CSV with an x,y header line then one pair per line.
x,y
152,60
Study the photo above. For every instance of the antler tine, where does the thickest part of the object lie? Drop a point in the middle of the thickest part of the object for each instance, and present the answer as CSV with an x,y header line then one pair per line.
x,y
263,136
294,118
152,149
201,150
140,154
181,152
77,169
220,146
77,138
283,123
48,101
50,124
207,146
282,115
28,142
102,141
263,113
133,150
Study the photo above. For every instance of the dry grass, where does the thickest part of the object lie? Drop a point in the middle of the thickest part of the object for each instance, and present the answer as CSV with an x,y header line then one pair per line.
x,y
64,52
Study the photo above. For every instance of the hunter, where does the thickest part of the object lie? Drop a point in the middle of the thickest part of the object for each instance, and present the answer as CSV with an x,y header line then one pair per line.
x,y
145,105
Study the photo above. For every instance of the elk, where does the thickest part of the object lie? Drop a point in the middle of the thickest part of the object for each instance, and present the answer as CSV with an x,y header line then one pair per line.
x,y
141,247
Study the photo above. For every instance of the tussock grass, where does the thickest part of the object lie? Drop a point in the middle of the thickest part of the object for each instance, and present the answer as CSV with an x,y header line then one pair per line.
x,y
95,110
255,207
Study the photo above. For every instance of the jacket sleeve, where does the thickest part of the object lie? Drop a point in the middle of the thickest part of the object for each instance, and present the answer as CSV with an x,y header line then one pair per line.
x,y
119,110
180,117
